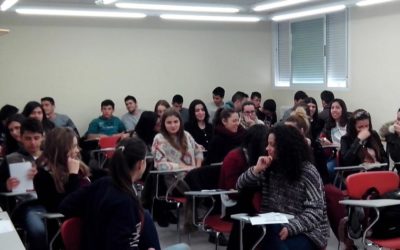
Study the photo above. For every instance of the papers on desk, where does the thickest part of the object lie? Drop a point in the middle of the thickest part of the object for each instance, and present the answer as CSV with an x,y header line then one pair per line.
x,y
269,218
20,171
6,226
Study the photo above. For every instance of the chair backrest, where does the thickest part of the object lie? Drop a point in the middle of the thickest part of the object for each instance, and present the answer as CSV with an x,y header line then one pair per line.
x,y
384,181
71,233
108,142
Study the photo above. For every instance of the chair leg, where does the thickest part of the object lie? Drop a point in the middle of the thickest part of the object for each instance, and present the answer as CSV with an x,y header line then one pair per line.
x,y
216,239
178,221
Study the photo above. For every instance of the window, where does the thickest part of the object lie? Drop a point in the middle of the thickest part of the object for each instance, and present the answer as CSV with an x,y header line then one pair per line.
x,y
312,52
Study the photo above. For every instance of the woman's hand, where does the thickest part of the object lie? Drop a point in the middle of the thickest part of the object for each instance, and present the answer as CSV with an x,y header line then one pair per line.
x,y
262,164
396,127
12,183
284,233
363,134
73,165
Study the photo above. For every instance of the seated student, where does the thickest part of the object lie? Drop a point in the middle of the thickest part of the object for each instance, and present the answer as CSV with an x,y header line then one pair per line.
x,y
316,124
34,110
255,97
291,185
218,95
112,215
13,133
236,101
59,120
106,124
198,125
392,136
5,112
269,113
327,98
177,104
131,118
361,144
248,115
228,134
299,97
159,109
146,128
32,135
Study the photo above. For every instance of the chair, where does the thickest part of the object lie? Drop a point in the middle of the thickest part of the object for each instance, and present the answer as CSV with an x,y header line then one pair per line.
x,y
106,149
383,181
71,233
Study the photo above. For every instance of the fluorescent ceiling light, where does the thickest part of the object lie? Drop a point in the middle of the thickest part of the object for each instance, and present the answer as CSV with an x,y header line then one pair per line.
x,y
105,2
7,4
80,13
371,2
248,19
308,13
276,5
190,8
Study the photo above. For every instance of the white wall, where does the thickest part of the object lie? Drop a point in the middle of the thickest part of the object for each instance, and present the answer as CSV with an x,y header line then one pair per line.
x,y
81,62
374,64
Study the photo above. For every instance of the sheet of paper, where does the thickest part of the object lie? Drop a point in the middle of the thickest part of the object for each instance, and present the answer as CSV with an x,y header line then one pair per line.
x,y
6,226
20,171
269,218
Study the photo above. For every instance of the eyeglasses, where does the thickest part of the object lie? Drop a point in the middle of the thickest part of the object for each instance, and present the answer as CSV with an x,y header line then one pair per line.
x,y
360,114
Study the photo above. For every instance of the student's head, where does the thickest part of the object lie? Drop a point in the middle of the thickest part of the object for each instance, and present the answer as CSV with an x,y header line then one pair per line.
x,y
299,96
229,119
160,107
218,96
48,105
13,126
31,135
7,111
171,123
358,121
256,98
255,142
128,164
198,111
146,126
289,151
298,119
338,112
34,110
238,99
107,108
177,102
249,110
269,107
326,98
312,107
130,103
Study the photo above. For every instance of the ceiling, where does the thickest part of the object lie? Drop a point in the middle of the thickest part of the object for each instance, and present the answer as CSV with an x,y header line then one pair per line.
x,y
245,6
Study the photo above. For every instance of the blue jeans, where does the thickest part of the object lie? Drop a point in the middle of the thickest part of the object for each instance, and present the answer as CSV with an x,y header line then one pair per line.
x,y
272,241
331,165
34,226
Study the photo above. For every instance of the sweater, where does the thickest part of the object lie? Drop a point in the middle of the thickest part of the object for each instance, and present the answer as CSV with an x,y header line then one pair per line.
x,y
304,199
233,166
201,136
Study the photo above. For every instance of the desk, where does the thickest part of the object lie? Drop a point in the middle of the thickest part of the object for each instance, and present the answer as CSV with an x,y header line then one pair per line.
x,y
9,238
9,195
362,167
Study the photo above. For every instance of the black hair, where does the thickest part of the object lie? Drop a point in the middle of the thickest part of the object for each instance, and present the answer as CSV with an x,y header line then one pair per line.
x,y
255,94
327,96
255,142
145,127
269,105
129,97
11,144
239,95
248,103
219,91
128,153
30,106
300,95
291,150
6,111
331,123
192,111
177,99
313,101
31,125
222,114
107,102
48,99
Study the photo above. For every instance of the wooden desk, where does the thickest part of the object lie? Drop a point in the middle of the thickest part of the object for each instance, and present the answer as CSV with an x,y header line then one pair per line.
x,y
9,238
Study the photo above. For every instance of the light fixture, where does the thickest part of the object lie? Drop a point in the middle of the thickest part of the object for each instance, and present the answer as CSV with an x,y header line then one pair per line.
x,y
371,2
278,4
167,7
80,13
104,2
311,12
4,31
7,4
248,19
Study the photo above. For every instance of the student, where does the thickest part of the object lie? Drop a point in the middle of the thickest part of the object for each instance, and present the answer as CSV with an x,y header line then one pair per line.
x,y
228,134
316,124
32,135
218,95
361,144
5,112
131,118
269,113
13,133
159,109
299,97
326,98
34,110
256,99
248,116
291,185
106,124
112,215
392,136
60,170
198,125
177,104
146,128
236,101
59,120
